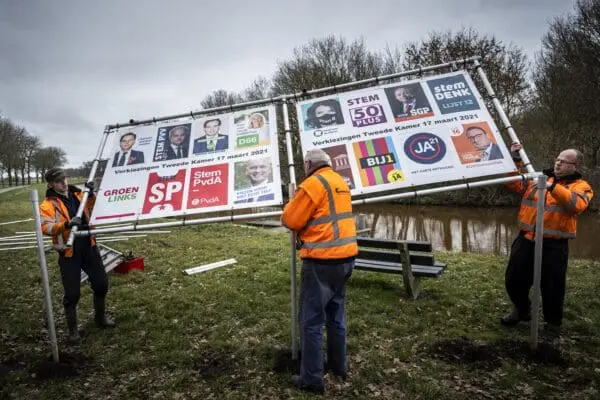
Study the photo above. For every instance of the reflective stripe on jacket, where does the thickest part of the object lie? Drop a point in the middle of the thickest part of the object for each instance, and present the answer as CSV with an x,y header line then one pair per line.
x,y
569,198
54,214
321,213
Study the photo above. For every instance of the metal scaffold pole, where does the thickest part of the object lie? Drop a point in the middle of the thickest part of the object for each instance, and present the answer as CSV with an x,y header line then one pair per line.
x,y
292,189
35,203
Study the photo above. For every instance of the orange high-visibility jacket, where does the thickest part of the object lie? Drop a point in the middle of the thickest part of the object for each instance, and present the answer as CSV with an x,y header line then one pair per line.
x,y
321,213
569,198
54,214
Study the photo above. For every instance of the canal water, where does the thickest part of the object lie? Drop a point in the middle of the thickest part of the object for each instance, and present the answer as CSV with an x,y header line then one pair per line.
x,y
468,229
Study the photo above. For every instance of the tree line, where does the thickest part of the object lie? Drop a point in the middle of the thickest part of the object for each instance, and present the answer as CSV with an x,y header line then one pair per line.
x,y
22,155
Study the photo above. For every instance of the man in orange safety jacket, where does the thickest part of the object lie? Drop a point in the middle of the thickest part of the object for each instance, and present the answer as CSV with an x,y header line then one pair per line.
x,y
58,214
321,214
567,195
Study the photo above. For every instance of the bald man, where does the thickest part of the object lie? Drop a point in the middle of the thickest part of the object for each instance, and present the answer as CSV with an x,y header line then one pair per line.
x,y
567,195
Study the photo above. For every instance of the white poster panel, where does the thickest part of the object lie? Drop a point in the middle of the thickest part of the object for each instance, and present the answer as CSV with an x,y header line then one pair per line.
x,y
192,166
405,134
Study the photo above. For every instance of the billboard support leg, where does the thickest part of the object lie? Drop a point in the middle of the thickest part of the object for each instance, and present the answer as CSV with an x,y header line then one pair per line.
x,y
35,203
292,188
86,194
537,264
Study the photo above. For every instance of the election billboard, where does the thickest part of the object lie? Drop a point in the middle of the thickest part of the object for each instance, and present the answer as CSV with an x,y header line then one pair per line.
x,y
191,166
406,134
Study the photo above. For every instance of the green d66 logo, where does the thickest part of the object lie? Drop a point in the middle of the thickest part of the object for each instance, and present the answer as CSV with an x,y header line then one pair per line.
x,y
247,140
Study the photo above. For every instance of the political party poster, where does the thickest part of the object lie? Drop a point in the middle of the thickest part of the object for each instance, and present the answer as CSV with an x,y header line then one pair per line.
x,y
191,166
406,134
253,180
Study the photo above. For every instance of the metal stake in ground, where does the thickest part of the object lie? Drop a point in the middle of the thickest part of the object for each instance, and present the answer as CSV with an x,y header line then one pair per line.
x,y
33,196
291,191
537,265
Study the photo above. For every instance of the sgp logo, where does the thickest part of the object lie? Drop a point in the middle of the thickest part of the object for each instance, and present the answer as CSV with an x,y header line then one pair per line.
x,y
318,133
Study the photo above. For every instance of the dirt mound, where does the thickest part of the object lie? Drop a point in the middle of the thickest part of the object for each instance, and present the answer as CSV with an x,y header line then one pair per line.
x,y
213,363
489,355
69,365
284,363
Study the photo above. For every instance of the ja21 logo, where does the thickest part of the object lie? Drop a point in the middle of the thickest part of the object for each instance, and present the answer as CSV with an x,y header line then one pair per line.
x,y
425,148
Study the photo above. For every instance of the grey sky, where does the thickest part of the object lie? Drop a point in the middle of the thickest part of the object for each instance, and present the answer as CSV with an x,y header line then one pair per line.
x,y
68,67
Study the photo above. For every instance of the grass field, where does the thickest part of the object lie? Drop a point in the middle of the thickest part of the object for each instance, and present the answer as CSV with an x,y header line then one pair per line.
x,y
224,334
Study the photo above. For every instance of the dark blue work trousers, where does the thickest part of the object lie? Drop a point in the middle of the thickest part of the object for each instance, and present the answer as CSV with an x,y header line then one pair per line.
x,y
322,293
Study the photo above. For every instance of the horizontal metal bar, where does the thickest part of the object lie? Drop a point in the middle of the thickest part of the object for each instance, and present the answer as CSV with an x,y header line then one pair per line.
x,y
114,225
387,77
105,247
112,240
109,236
181,222
194,114
448,188
19,248
347,85
208,267
22,243
140,231
16,222
16,238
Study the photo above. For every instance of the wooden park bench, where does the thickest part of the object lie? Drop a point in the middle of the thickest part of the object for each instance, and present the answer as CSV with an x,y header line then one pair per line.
x,y
413,259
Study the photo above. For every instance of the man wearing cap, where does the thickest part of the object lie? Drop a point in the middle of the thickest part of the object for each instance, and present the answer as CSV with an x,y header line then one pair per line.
x,y
59,214
321,214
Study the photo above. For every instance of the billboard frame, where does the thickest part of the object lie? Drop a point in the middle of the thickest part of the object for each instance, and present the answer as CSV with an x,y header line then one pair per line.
x,y
284,100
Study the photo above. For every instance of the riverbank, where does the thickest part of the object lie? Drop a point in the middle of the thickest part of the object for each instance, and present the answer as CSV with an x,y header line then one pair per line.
x,y
223,334
486,230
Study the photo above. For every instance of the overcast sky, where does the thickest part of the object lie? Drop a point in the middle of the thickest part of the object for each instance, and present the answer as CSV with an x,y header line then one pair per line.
x,y
69,67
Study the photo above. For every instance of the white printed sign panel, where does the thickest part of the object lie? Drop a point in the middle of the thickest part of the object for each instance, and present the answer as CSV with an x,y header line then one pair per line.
x,y
193,166
411,133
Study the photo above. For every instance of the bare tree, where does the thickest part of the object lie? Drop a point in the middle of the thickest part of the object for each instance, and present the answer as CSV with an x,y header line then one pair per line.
x,y
325,62
32,144
567,81
505,65
48,157
220,98
11,157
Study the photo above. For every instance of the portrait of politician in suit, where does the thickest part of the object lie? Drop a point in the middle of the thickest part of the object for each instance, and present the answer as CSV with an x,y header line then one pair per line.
x,y
408,102
178,146
127,156
213,139
481,140
258,174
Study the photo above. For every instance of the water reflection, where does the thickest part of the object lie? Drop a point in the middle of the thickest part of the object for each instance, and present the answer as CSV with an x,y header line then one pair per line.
x,y
480,230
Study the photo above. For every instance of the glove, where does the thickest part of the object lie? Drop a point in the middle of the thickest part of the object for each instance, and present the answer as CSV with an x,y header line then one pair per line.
x,y
299,242
75,221
89,185
514,150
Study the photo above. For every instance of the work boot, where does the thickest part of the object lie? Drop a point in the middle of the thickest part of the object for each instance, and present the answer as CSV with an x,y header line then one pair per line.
x,y
102,320
343,375
514,318
74,333
551,332
297,381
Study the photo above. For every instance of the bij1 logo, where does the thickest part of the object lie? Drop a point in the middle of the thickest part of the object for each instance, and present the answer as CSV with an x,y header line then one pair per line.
x,y
425,148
